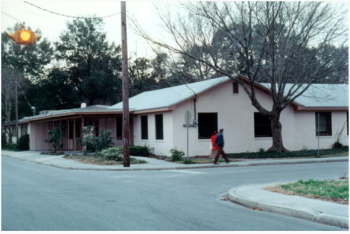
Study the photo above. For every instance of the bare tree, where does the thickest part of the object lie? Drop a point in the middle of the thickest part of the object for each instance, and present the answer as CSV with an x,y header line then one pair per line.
x,y
9,77
273,42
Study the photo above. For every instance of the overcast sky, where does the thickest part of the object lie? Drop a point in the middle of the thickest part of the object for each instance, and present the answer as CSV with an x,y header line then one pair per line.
x,y
51,25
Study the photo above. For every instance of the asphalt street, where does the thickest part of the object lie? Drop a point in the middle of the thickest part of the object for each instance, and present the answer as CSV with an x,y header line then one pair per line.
x,y
41,198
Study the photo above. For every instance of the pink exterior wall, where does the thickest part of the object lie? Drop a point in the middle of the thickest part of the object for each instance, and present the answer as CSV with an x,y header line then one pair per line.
x,y
236,116
161,147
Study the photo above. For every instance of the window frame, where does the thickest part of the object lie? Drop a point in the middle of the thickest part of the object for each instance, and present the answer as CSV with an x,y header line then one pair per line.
x,y
155,120
329,125
211,132
144,127
255,125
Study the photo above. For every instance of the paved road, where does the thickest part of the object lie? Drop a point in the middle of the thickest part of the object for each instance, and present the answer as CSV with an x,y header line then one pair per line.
x,y
37,197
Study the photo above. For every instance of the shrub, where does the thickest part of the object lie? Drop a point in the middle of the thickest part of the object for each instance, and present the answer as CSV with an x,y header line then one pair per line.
x,y
275,154
3,140
261,150
139,150
189,161
66,155
113,153
12,146
337,145
55,139
23,142
96,143
176,155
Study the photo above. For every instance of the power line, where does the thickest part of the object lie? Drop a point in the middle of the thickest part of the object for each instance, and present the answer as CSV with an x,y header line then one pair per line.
x,y
10,16
71,16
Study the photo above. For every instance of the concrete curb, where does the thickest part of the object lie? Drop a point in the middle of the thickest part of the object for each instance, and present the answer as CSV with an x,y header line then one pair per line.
x,y
237,164
298,212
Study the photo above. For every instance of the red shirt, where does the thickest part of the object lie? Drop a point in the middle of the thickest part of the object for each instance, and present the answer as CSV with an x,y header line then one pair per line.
x,y
214,146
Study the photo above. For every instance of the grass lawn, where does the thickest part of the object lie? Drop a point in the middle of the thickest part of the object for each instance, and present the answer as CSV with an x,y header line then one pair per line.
x,y
329,190
100,161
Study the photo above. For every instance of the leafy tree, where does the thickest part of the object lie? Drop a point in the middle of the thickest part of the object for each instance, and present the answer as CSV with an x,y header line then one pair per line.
x,y
28,59
91,64
140,75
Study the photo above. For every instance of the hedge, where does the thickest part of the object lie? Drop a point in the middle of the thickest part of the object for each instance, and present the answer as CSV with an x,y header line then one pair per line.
x,y
294,154
23,143
139,150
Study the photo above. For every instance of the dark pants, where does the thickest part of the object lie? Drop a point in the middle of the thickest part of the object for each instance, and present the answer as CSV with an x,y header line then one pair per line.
x,y
222,152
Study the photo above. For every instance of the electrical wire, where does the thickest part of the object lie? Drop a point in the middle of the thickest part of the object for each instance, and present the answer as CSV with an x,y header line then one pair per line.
x,y
77,17
53,29
11,16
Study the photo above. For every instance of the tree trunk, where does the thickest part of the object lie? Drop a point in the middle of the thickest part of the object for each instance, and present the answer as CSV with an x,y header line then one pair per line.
x,y
276,130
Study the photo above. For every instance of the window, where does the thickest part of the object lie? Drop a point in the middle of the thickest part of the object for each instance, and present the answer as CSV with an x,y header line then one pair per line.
x,y
144,127
325,126
235,87
262,126
13,130
159,127
119,127
24,129
207,124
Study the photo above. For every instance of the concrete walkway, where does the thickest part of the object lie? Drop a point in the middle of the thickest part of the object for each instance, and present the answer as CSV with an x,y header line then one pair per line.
x,y
152,164
252,196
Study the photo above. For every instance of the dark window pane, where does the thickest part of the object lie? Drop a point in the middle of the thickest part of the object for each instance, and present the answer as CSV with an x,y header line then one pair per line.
x,y
262,126
323,123
144,127
235,87
207,124
119,127
159,127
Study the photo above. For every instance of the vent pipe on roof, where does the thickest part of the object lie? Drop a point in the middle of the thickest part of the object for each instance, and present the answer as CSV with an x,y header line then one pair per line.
x,y
83,105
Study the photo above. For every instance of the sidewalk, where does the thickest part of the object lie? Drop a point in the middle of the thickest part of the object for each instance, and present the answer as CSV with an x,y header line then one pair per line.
x,y
152,164
251,196
326,212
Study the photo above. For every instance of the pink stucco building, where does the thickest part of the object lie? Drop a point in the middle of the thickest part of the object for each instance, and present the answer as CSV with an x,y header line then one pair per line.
x,y
157,118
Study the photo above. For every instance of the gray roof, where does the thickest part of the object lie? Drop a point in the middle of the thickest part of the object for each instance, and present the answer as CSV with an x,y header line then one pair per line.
x,y
317,95
169,96
321,95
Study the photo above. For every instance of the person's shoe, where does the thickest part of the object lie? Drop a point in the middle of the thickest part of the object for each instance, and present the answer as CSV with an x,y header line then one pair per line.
x,y
228,161
217,163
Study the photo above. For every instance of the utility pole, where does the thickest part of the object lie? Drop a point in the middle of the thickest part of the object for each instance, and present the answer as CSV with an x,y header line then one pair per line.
x,y
16,113
126,127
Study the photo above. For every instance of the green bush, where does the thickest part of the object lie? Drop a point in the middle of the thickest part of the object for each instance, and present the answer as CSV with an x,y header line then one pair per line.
x,y
176,155
189,161
55,138
12,146
113,153
338,145
96,143
275,154
3,140
139,150
345,148
23,142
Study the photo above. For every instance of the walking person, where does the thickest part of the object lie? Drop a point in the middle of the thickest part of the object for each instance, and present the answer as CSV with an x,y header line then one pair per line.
x,y
214,148
219,141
